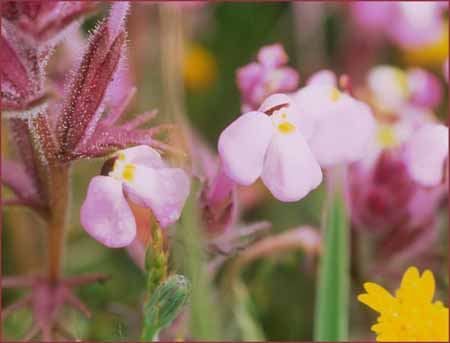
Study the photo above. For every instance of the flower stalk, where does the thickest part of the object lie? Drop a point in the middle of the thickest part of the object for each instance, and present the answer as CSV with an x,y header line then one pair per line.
x,y
59,204
156,260
332,301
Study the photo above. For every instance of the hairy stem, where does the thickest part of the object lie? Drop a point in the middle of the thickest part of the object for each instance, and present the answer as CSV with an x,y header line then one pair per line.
x,y
59,203
172,52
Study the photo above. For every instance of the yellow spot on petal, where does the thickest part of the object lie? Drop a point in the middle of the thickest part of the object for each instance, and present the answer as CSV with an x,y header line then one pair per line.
x,y
387,137
411,315
402,80
286,127
128,172
284,116
121,156
335,94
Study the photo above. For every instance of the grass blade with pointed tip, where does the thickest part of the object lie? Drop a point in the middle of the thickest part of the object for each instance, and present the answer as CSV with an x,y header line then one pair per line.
x,y
331,312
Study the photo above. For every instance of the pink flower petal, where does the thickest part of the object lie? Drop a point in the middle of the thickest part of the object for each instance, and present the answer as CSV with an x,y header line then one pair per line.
x,y
373,16
344,134
275,101
426,154
163,190
105,213
282,102
324,77
316,100
143,155
290,170
272,55
315,103
282,79
425,88
247,76
243,144
416,23
389,85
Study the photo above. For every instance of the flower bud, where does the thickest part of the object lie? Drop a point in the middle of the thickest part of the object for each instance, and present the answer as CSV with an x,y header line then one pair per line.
x,y
165,304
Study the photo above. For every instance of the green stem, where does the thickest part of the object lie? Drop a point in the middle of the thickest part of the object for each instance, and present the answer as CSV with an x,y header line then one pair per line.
x,y
192,258
156,260
332,298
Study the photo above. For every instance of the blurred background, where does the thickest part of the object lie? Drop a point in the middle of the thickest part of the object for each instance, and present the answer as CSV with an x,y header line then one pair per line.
x,y
219,38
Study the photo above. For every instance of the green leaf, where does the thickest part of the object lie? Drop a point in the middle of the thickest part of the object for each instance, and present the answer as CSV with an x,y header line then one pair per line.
x,y
191,254
164,306
331,312
250,328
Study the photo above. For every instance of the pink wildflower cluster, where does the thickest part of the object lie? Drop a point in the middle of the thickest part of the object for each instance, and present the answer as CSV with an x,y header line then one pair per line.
x,y
396,189
316,126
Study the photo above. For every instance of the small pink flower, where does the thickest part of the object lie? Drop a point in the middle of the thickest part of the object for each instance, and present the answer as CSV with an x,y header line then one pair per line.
x,y
341,127
271,143
267,76
394,88
418,23
139,175
427,154
406,23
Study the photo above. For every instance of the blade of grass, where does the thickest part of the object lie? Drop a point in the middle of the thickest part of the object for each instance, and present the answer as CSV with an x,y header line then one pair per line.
x,y
191,254
249,327
331,312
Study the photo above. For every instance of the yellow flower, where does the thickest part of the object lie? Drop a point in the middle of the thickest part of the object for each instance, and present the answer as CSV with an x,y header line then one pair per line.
x,y
411,315
199,67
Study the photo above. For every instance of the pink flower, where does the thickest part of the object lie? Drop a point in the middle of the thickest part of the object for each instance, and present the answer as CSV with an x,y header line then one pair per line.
x,y
409,24
400,212
393,88
271,143
295,135
340,127
397,189
139,175
267,76
427,154
417,23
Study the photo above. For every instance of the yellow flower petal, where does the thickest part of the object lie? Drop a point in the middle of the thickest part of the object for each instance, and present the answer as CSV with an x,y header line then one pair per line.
x,y
411,315
409,285
427,285
376,298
